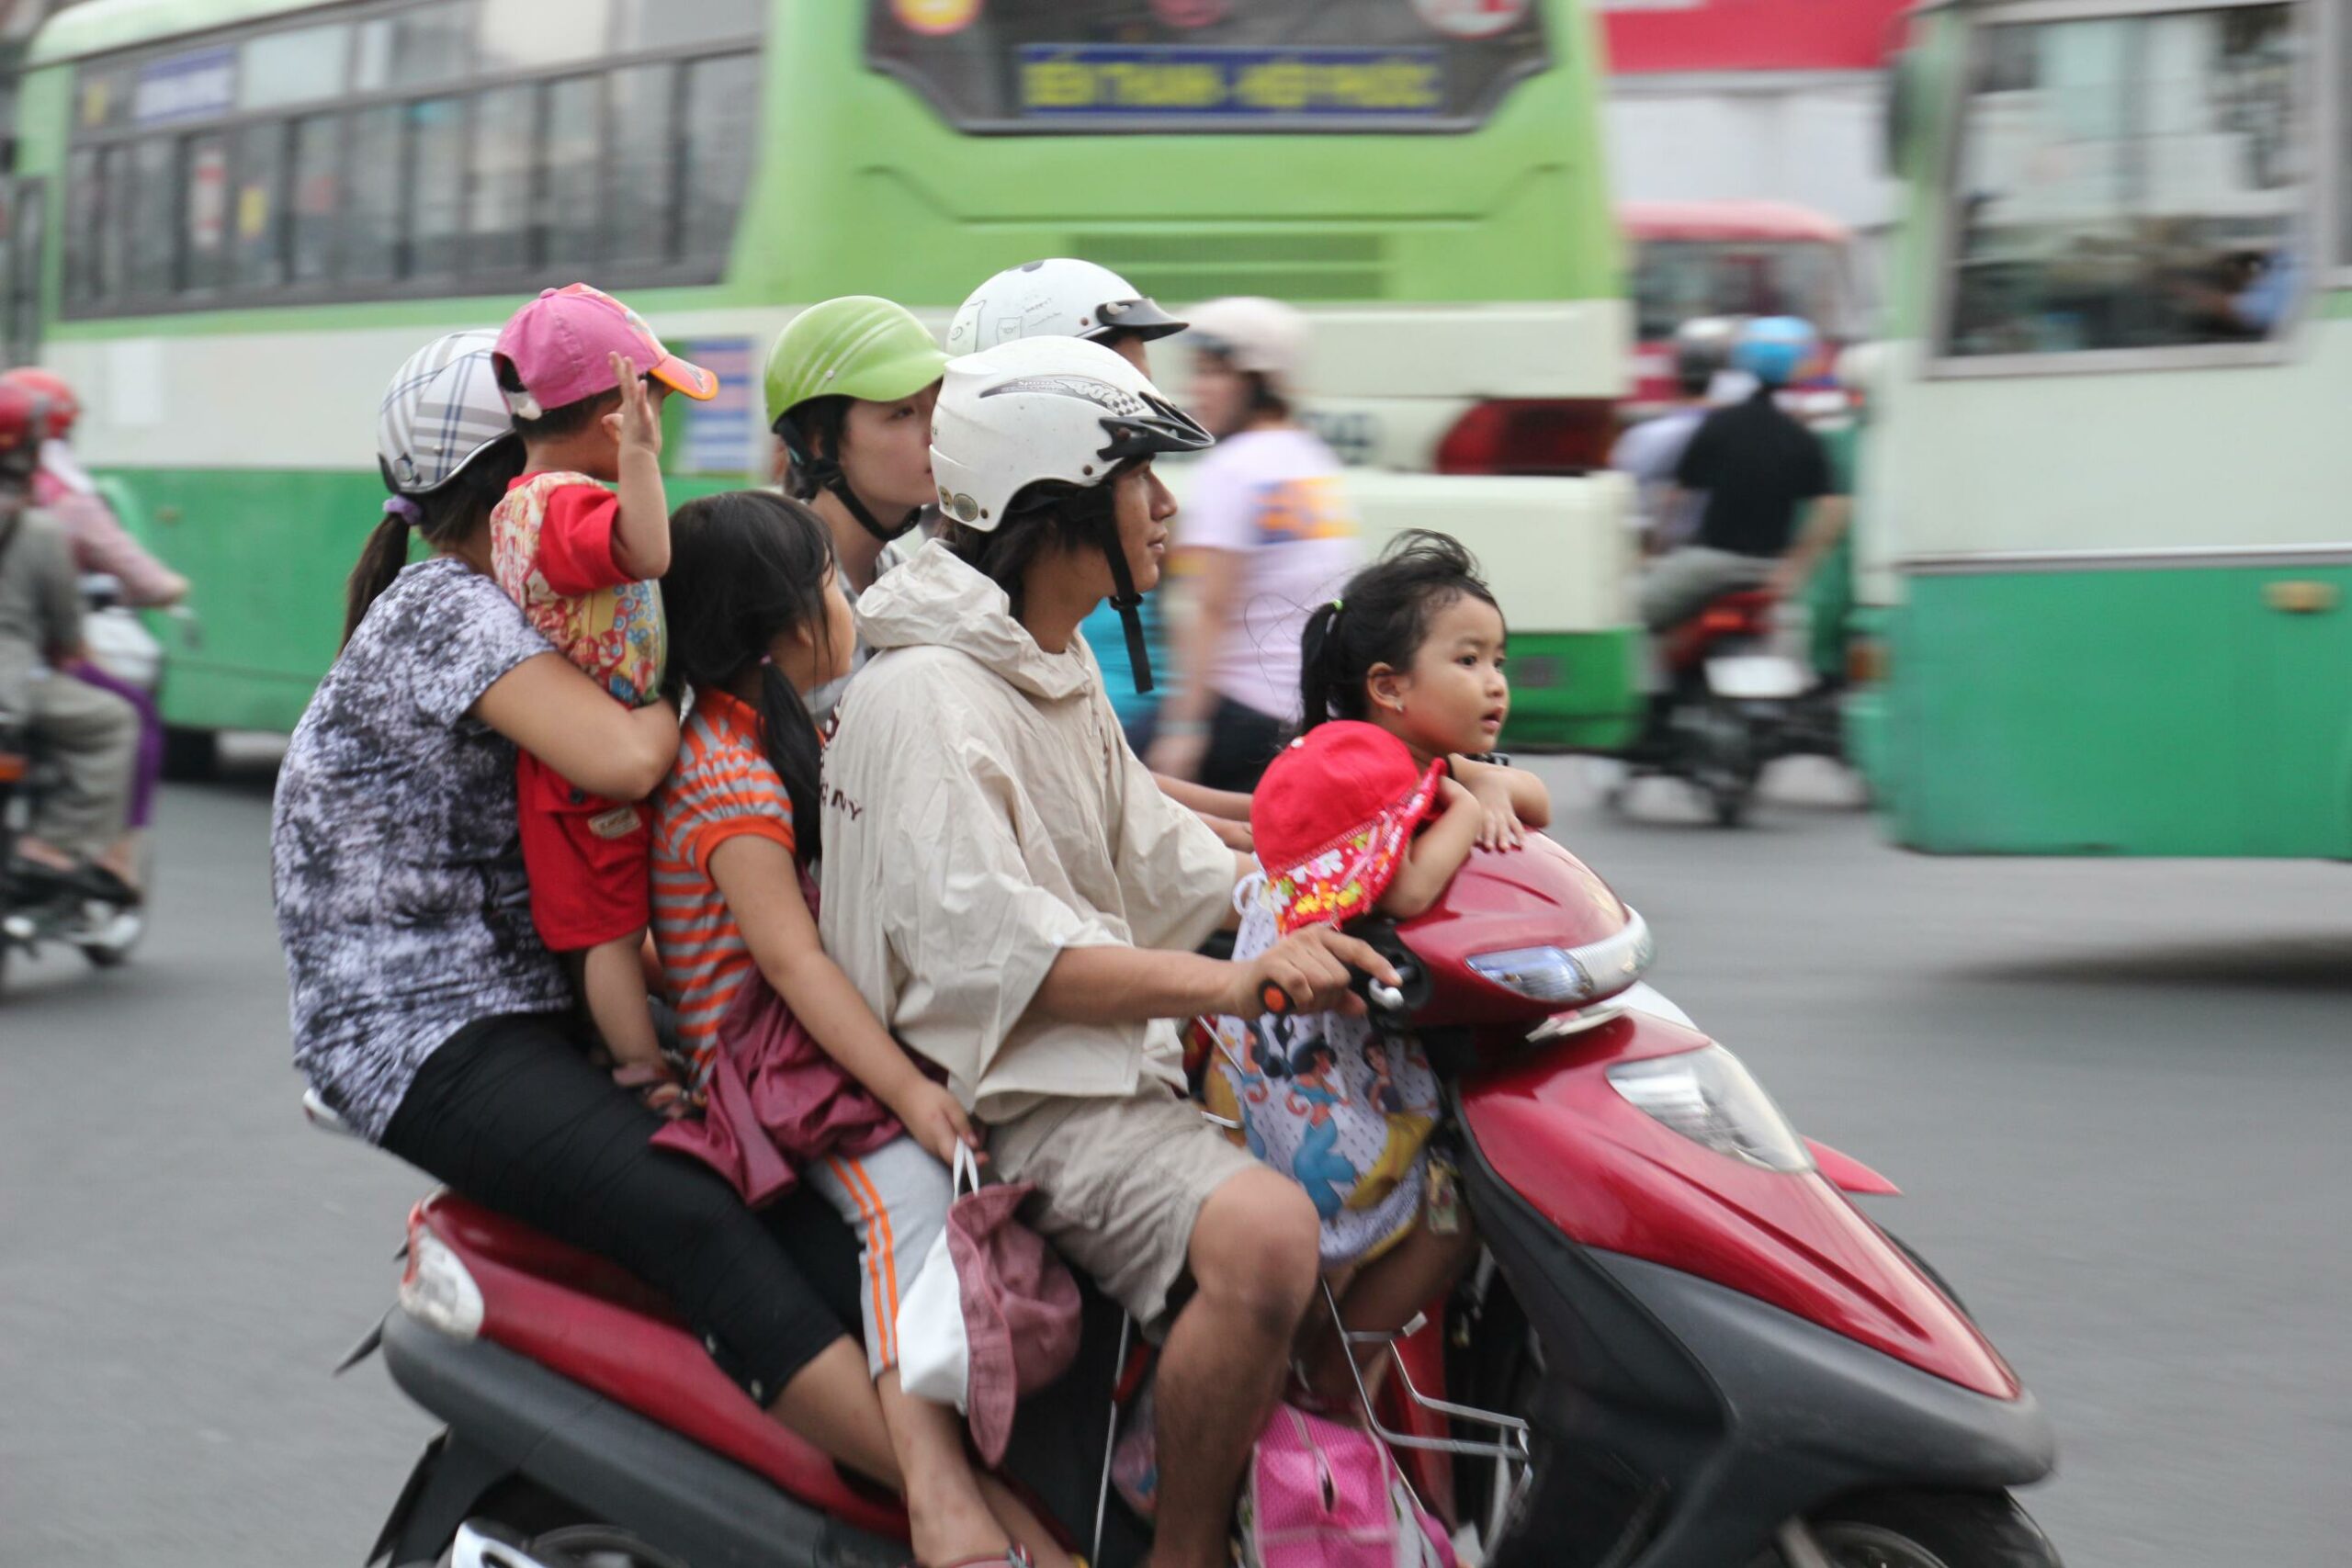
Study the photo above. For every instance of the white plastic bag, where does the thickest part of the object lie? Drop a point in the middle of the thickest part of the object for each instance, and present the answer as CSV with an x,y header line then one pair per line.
x,y
934,1356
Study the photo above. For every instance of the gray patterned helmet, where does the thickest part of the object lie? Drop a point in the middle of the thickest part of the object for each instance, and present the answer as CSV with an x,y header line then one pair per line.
x,y
441,412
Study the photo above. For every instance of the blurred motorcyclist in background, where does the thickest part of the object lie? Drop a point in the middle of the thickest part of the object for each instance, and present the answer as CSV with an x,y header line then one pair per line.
x,y
89,735
103,548
1649,452
1761,470
1266,535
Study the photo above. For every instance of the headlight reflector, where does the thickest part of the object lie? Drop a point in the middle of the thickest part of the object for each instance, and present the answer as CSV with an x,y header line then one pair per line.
x,y
1709,1098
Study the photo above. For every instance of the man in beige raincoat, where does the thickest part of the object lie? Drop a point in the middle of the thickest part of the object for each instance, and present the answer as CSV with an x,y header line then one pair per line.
x,y
1019,901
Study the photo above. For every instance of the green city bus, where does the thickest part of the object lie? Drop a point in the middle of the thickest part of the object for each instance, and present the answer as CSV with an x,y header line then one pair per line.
x,y
2101,513
228,221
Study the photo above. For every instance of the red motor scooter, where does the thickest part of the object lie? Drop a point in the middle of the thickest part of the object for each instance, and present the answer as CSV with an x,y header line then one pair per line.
x,y
1684,1346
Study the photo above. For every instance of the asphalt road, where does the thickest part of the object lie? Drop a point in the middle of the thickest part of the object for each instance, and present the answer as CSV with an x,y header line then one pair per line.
x,y
2118,1095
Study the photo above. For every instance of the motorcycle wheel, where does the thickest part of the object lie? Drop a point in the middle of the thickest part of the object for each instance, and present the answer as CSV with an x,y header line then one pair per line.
x,y
1726,761
557,1534
1928,1529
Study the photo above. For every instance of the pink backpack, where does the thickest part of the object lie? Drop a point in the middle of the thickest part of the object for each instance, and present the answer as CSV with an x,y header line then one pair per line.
x,y
1325,1495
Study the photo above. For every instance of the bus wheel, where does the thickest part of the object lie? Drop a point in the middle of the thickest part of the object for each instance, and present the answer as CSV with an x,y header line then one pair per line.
x,y
190,755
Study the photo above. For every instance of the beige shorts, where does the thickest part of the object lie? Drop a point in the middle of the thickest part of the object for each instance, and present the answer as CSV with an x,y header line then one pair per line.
x,y
1119,1184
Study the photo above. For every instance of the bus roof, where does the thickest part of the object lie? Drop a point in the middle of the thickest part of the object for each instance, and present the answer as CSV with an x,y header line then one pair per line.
x,y
98,26
1728,220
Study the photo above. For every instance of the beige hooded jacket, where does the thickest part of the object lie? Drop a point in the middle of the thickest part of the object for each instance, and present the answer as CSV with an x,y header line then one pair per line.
x,y
982,813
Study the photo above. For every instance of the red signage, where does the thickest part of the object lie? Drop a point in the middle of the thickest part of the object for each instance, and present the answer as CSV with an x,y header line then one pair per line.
x,y
1650,35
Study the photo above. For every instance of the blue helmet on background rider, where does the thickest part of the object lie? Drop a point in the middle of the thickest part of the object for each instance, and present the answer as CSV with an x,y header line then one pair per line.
x,y
1774,348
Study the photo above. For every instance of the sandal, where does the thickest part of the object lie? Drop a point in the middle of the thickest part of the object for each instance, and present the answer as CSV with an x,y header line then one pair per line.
x,y
1016,1556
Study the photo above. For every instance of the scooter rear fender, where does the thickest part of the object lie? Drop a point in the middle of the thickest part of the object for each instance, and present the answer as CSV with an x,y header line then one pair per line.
x,y
505,1410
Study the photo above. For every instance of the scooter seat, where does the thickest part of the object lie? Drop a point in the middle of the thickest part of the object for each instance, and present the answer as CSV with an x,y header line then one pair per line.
x,y
593,1321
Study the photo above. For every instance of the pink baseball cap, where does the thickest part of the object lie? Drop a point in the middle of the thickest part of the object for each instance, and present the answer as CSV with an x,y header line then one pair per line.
x,y
562,345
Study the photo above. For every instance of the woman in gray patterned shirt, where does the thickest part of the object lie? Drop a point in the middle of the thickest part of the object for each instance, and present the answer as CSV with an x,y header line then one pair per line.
x,y
425,1010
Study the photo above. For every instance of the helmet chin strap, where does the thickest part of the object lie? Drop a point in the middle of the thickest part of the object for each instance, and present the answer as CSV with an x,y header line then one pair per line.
x,y
1125,600
828,474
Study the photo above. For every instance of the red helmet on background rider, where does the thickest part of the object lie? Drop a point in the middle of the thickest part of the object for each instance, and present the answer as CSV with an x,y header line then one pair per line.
x,y
24,422
64,408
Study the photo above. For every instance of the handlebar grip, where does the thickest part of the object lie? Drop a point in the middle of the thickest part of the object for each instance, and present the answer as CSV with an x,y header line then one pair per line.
x,y
1275,1001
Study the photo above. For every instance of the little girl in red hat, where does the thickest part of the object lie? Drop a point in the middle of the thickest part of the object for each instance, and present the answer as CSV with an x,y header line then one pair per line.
x,y
1381,799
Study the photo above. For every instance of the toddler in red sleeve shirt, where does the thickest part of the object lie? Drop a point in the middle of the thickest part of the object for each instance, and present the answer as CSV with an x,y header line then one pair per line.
x,y
584,376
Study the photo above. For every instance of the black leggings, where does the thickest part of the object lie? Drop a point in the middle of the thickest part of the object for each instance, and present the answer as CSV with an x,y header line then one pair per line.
x,y
511,1115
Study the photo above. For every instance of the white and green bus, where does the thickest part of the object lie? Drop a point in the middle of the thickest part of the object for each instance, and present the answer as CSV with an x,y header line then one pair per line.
x,y
2102,502
228,221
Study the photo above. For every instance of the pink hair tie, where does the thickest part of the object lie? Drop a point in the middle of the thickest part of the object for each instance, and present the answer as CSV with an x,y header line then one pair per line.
x,y
407,510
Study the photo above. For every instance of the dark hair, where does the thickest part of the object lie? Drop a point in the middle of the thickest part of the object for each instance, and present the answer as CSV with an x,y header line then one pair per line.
x,y
1380,617
745,567
818,425
554,424
445,514
1051,513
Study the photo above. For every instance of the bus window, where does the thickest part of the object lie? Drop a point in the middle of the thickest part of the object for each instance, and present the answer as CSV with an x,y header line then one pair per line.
x,y
152,211
437,184
371,212
2127,181
665,24
257,209
301,65
722,116
523,35
504,137
27,226
84,194
204,230
644,161
574,187
1062,65
422,47
317,195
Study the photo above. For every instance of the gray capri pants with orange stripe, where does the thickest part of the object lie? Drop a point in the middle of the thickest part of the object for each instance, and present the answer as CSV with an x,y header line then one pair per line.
x,y
896,1199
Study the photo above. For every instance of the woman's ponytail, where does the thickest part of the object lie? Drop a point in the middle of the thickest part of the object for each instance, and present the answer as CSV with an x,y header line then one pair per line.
x,y
789,735
379,562
443,516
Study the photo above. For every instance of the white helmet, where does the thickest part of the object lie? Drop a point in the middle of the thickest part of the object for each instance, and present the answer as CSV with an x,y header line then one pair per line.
x,y
1061,297
1044,408
1256,334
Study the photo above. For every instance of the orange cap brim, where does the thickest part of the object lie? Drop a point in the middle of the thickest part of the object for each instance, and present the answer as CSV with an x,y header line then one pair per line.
x,y
685,376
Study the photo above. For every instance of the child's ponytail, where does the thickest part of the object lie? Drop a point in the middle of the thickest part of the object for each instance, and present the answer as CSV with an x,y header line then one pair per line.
x,y
789,735
1322,667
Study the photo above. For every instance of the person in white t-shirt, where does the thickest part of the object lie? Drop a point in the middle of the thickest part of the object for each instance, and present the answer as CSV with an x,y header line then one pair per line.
x,y
1268,533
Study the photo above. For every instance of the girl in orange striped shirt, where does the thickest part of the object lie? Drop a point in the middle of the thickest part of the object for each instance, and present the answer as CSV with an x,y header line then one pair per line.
x,y
756,619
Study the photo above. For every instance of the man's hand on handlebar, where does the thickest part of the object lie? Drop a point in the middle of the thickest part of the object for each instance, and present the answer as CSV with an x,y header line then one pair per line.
x,y
1308,971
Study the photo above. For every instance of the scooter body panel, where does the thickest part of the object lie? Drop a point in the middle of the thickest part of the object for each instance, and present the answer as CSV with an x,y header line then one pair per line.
x,y
1609,1177
1684,1420
603,1330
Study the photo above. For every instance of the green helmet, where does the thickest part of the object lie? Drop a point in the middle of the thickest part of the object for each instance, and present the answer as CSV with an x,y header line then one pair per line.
x,y
856,346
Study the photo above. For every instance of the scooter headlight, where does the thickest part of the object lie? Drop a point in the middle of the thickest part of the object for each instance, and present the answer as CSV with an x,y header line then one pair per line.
x,y
1571,977
1708,1097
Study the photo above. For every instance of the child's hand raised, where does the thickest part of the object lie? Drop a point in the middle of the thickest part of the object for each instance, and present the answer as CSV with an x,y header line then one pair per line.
x,y
637,425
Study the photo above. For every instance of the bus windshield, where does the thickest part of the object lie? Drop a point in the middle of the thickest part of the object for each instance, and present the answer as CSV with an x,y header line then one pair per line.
x,y
1677,280
1057,65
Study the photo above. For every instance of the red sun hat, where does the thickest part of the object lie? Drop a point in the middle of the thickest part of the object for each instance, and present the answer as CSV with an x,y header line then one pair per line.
x,y
562,345
1333,817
